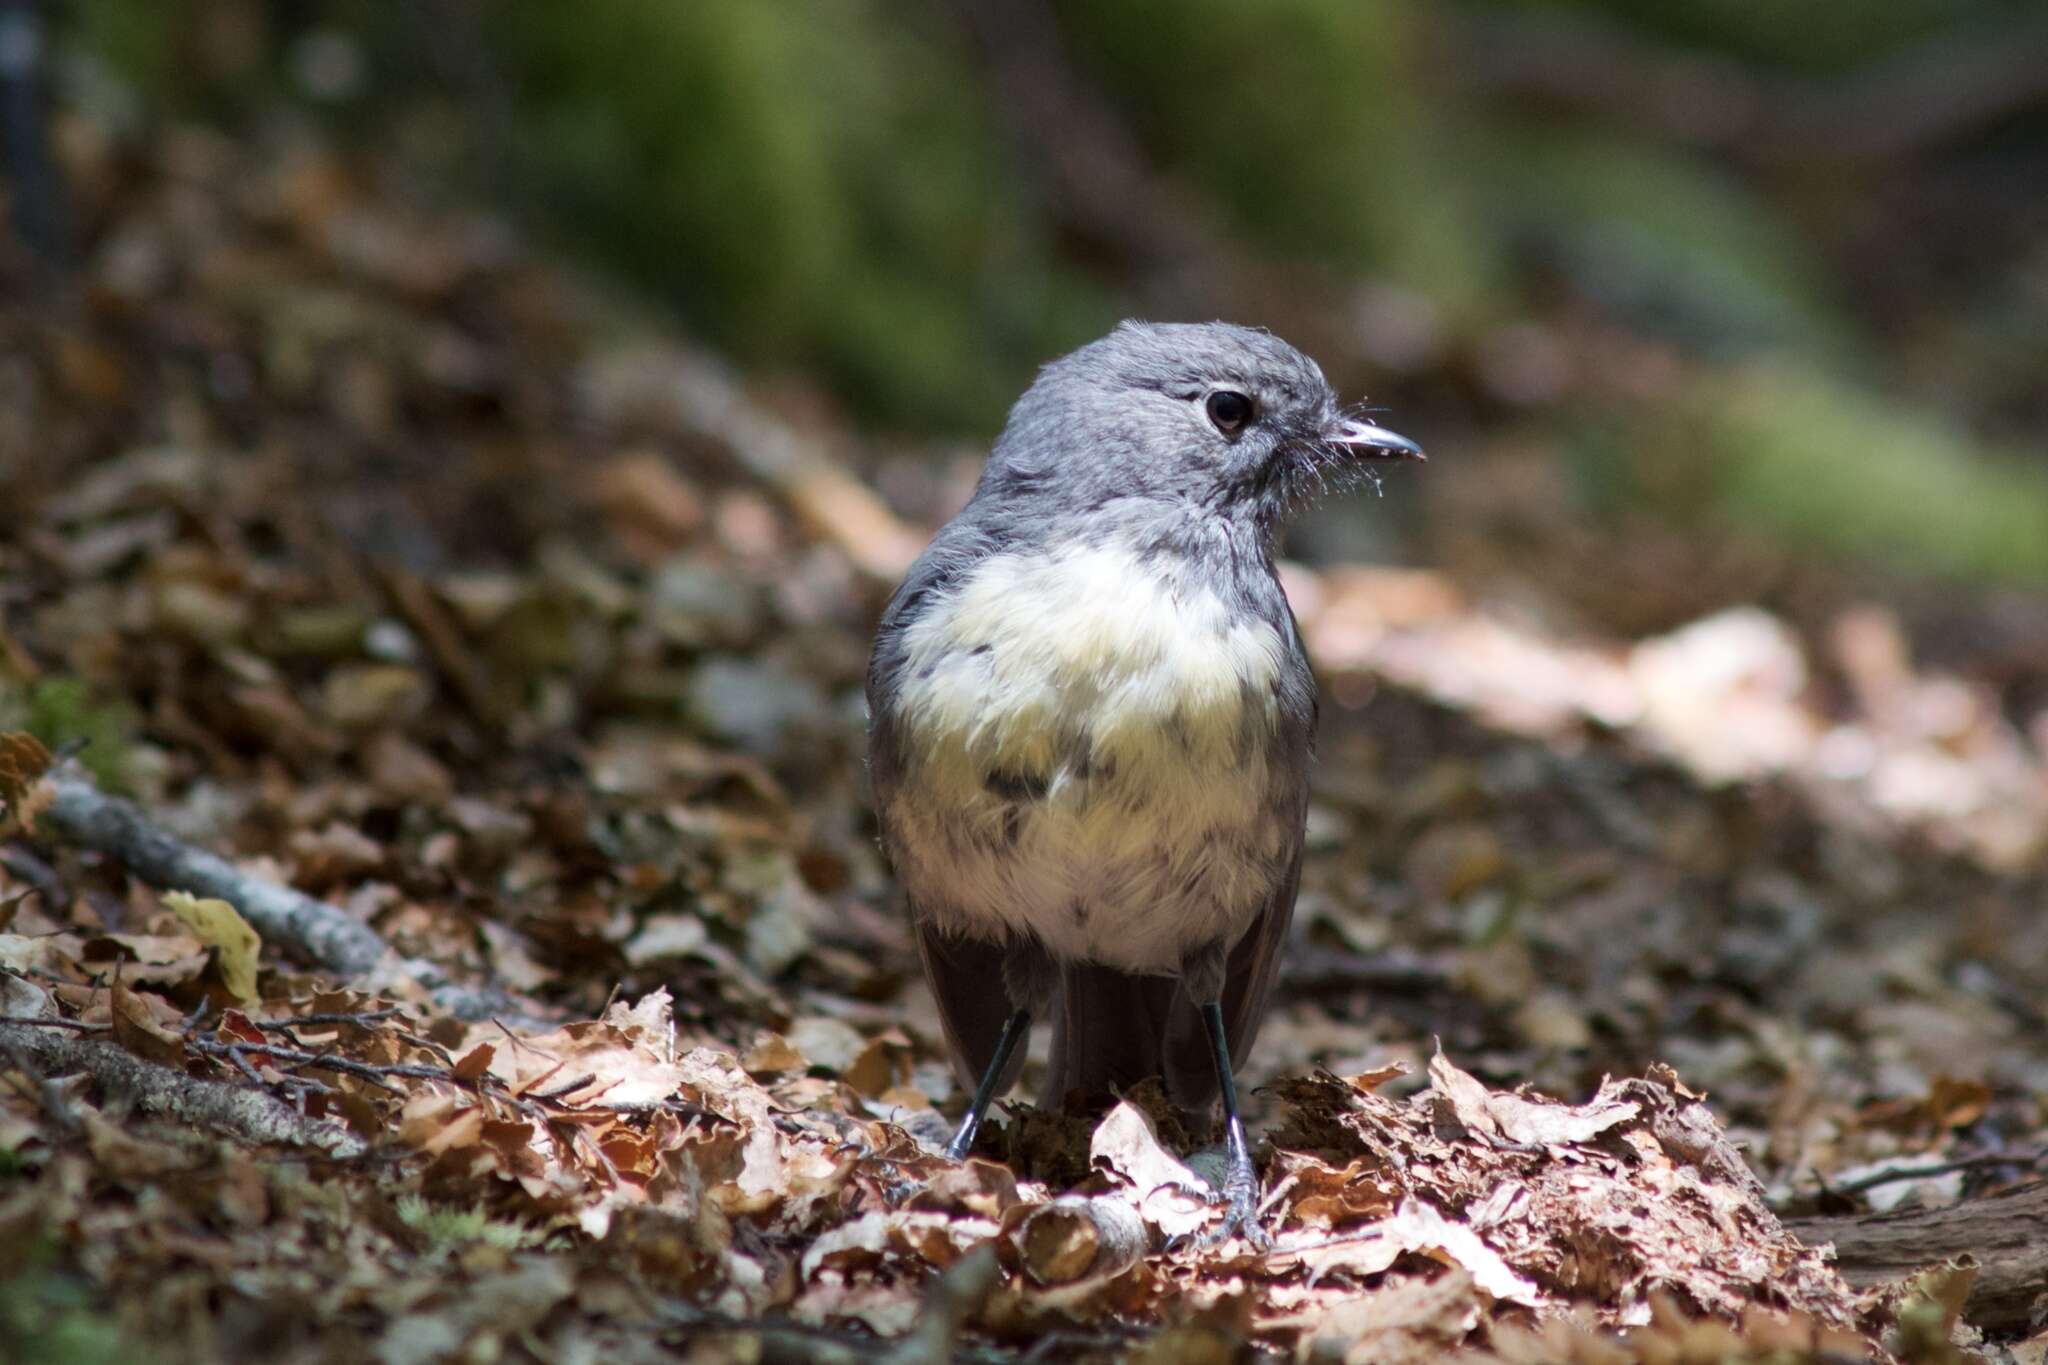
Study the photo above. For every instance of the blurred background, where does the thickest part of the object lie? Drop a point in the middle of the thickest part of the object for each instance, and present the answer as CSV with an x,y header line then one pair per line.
x,y
1697,307
1773,273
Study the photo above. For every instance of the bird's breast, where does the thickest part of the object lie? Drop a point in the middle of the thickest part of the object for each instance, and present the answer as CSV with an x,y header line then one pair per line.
x,y
1090,750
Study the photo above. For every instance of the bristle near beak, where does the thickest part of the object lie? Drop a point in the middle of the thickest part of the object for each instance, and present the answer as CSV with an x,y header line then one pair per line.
x,y
1375,443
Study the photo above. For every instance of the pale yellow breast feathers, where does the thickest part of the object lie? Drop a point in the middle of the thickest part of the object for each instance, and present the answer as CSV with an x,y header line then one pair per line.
x,y
1034,653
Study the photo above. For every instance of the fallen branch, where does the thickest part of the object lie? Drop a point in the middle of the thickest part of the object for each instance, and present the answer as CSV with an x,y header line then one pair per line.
x,y
1076,1236
1987,1161
315,931
2001,1230
311,930
248,1115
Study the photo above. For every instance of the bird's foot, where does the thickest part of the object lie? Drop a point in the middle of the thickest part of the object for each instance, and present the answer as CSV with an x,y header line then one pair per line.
x,y
1237,1192
963,1138
1240,1200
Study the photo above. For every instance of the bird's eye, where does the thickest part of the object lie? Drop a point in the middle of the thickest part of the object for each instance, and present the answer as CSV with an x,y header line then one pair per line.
x,y
1230,410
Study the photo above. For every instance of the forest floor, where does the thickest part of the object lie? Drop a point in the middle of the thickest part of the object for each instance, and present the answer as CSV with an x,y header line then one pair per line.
x,y
364,546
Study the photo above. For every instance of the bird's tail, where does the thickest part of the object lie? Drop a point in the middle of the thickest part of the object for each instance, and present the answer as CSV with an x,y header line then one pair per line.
x,y
1112,1029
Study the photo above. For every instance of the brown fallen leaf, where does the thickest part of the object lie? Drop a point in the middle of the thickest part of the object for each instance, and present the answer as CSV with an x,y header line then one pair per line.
x,y
474,1062
23,761
1531,1122
1408,1322
137,1028
1165,1193
1365,1082
1418,1227
773,1054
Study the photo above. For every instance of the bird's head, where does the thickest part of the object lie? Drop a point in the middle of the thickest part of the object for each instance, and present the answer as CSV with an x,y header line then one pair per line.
x,y
1226,419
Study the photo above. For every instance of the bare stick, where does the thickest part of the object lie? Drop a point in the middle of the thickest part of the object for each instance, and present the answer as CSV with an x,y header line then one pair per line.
x,y
2002,1230
249,1115
311,930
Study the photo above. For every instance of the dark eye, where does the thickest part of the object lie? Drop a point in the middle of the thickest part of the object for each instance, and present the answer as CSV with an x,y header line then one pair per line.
x,y
1230,410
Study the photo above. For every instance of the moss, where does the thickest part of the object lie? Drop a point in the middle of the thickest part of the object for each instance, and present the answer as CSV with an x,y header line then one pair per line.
x,y
818,185
1827,466
55,1318
452,1229
68,713
1303,118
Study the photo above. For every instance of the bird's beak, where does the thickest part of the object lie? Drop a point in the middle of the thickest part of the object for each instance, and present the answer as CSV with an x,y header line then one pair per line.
x,y
1371,442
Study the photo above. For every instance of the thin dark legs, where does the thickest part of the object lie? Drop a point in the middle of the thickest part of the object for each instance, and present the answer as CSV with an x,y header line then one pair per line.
x,y
1014,1030
1241,1185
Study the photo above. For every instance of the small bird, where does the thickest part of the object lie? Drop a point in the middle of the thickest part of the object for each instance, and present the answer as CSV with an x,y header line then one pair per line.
x,y
1091,719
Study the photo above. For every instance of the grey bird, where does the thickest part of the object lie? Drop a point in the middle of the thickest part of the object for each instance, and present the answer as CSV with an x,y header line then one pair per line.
x,y
1091,719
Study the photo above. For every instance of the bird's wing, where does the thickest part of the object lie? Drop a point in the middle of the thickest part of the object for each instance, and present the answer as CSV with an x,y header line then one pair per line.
x,y
1255,962
965,975
966,978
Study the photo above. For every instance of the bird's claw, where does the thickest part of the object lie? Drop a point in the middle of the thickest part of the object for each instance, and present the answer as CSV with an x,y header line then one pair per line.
x,y
1241,1208
1239,1198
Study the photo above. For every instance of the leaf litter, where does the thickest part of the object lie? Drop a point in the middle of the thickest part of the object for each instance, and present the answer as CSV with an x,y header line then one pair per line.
x,y
566,709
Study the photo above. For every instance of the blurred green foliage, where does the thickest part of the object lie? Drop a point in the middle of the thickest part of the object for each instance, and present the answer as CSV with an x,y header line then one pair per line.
x,y
1299,117
54,1318
68,713
834,189
1663,239
814,184
1814,35
1837,467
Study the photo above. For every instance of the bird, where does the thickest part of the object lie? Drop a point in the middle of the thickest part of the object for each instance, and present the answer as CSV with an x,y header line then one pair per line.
x,y
1091,720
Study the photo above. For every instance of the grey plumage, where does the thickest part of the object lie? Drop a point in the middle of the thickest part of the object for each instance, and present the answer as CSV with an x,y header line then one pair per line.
x,y
1091,713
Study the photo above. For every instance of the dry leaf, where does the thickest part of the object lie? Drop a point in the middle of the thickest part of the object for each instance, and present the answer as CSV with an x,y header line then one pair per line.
x,y
1365,1082
23,793
221,927
137,1028
1170,1197
773,1054
1530,1122
1418,1227
474,1062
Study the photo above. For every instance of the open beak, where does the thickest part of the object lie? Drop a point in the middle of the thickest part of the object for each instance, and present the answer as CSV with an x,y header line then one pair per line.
x,y
1371,442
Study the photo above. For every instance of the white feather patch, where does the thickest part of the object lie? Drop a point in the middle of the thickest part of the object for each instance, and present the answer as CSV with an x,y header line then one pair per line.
x,y
1139,707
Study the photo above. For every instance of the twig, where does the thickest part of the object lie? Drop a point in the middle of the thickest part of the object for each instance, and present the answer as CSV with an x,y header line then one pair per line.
x,y
377,1074
39,876
312,930
72,1024
251,1115
566,1088
316,1020
316,931
1983,1161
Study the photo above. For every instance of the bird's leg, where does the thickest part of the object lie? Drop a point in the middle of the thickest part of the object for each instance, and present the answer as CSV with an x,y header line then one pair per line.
x,y
1015,1028
1241,1184
1030,977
